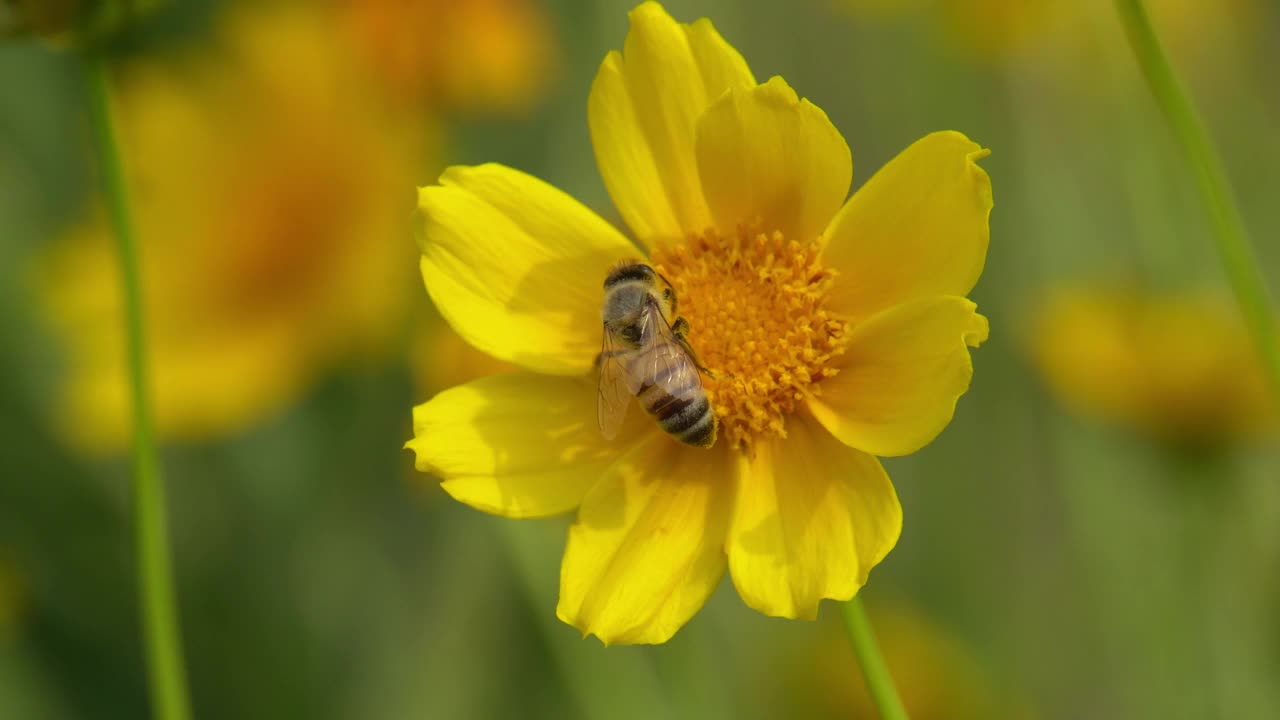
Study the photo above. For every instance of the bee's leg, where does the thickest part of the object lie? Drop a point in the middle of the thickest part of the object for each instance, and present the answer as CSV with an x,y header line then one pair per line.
x,y
602,356
668,294
680,328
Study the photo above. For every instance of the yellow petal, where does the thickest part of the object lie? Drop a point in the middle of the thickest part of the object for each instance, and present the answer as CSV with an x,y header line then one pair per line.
x,y
643,107
766,155
915,229
647,549
517,267
811,520
901,375
517,444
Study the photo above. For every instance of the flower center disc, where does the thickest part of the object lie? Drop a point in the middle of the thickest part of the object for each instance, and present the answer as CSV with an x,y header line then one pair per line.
x,y
755,304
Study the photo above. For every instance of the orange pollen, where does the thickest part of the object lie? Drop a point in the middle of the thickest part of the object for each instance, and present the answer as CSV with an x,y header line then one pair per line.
x,y
755,303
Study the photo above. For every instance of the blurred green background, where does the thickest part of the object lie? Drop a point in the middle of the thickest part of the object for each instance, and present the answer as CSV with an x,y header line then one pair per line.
x,y
1100,541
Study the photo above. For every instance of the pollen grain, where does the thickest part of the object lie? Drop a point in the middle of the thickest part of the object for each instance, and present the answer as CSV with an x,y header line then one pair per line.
x,y
756,304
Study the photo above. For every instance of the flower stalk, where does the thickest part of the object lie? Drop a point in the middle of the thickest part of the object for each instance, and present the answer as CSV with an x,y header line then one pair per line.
x,y
1232,238
167,676
884,694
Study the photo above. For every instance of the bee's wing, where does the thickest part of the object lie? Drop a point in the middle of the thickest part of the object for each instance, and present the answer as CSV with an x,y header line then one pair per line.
x,y
669,363
617,387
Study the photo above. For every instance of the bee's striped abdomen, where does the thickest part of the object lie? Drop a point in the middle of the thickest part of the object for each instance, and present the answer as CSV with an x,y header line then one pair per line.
x,y
703,432
689,419
683,412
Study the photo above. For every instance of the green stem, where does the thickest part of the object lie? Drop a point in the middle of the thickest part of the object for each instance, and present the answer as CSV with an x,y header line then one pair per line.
x,y
1232,239
168,682
879,682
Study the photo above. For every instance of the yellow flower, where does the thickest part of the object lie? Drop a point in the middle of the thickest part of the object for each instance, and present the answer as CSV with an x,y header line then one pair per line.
x,y
467,55
1178,366
269,197
829,326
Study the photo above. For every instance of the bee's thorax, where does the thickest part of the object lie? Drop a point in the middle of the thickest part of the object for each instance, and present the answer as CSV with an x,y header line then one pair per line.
x,y
624,304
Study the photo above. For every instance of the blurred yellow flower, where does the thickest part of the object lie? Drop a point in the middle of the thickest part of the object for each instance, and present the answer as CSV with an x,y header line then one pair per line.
x,y
937,675
1003,28
829,325
1180,367
474,54
442,359
268,194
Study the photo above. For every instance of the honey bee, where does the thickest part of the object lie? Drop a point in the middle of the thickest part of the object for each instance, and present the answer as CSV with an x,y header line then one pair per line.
x,y
646,357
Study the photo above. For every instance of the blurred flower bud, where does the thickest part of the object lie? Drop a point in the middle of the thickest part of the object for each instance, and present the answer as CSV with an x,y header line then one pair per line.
x,y
1179,366
13,595
71,22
